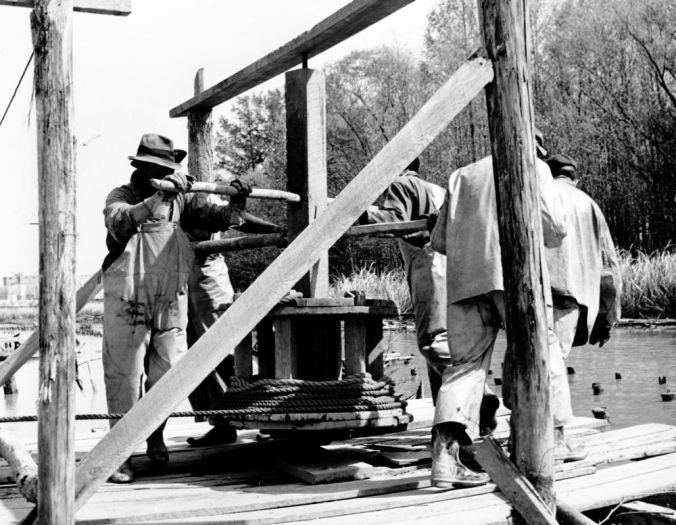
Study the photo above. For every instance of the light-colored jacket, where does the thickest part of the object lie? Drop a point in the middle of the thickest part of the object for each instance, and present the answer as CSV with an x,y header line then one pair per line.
x,y
467,228
585,266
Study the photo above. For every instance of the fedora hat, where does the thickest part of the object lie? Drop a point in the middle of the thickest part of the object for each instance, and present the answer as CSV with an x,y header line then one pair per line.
x,y
159,150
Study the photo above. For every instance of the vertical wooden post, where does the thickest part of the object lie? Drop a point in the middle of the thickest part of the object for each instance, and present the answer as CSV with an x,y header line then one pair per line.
x,y
200,143
51,23
306,164
505,27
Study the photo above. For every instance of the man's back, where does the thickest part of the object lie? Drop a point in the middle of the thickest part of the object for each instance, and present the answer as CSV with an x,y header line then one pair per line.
x,y
577,265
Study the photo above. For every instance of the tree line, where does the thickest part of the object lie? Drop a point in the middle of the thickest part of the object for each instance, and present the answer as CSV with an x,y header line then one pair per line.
x,y
604,88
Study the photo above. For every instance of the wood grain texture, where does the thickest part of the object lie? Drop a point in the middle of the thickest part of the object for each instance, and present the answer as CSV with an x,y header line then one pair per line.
x,y
227,189
505,29
52,30
513,485
200,138
305,97
286,356
244,242
342,24
394,228
280,276
15,361
355,345
99,7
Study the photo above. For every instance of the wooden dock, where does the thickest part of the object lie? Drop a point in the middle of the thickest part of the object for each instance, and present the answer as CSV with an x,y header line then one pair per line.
x,y
257,481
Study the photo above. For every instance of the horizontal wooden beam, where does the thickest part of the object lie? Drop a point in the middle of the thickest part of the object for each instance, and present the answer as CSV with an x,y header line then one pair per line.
x,y
221,188
395,229
245,313
98,7
342,24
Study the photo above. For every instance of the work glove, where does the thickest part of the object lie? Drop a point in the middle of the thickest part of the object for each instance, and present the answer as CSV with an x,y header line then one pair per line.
x,y
243,191
181,181
432,220
600,333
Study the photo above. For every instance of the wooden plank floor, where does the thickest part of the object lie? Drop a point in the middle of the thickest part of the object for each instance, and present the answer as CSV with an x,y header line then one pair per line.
x,y
238,483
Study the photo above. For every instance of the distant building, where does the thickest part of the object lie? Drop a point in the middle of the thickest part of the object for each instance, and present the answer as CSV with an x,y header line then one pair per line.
x,y
19,287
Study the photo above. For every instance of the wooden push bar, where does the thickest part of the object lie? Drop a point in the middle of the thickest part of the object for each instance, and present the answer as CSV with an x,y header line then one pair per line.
x,y
226,189
98,7
396,229
342,24
242,317
243,242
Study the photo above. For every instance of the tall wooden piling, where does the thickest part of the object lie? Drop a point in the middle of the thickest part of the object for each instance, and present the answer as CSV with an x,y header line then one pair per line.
x,y
306,164
505,27
51,23
200,142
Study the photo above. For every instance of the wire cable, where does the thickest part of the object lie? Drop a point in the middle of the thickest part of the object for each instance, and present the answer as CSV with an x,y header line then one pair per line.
x,y
30,59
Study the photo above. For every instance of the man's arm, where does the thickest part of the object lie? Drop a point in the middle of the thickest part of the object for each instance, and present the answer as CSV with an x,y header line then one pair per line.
x,y
554,216
438,233
610,289
122,216
398,205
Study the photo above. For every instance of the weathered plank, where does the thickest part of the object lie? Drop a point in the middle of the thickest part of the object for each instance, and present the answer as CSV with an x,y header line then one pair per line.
x,y
505,30
642,513
286,357
280,276
321,466
15,361
99,7
355,345
305,99
342,24
513,485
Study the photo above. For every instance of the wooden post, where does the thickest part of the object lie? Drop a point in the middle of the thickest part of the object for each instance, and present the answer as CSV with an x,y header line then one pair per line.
x,y
505,28
306,165
51,23
200,143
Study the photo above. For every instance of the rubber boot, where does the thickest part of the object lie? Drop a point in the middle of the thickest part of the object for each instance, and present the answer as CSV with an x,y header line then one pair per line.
x,y
156,449
487,420
447,470
124,474
220,434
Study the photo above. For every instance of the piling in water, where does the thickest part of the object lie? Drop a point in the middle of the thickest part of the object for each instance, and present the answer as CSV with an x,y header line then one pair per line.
x,y
596,387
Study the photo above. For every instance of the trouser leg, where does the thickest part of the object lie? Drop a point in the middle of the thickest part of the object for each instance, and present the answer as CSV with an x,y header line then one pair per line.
x,y
124,347
473,326
566,315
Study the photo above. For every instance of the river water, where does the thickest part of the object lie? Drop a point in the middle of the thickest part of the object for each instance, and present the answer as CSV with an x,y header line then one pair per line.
x,y
639,355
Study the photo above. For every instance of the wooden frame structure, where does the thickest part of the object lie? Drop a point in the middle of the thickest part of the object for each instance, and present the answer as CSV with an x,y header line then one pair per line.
x,y
504,70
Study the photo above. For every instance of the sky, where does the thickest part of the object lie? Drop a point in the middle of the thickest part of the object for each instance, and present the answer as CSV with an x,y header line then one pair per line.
x,y
128,73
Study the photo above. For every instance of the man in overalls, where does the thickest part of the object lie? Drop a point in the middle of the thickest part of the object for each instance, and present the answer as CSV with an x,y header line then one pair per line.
x,y
146,277
411,198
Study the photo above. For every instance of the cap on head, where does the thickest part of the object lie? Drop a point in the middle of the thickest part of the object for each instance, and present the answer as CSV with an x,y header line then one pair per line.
x,y
562,165
539,142
157,149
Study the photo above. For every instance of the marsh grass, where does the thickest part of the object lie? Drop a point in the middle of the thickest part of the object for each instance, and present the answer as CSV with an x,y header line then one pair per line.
x,y
389,284
649,284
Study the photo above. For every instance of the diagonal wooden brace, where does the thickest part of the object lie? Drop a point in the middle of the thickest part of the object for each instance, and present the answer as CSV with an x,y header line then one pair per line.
x,y
221,339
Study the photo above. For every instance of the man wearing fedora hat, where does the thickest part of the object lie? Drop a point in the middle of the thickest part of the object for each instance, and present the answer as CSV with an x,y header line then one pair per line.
x,y
146,276
584,274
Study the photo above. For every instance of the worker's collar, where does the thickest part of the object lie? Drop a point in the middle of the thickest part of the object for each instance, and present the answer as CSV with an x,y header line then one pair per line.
x,y
567,180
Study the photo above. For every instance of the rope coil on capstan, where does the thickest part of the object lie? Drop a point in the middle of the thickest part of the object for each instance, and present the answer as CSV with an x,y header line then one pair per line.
x,y
283,396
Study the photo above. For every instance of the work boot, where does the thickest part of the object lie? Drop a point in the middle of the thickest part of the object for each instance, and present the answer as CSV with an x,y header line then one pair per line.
x,y
156,449
564,451
219,434
487,420
447,470
124,474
